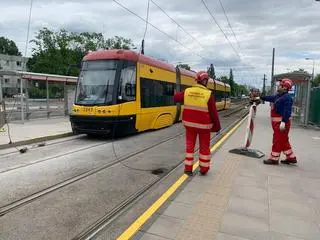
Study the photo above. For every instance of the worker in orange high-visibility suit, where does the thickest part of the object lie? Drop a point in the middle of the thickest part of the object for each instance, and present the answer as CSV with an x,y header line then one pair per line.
x,y
281,105
200,117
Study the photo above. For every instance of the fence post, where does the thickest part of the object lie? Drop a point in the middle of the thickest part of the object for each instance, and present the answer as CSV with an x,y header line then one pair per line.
x,y
48,106
65,91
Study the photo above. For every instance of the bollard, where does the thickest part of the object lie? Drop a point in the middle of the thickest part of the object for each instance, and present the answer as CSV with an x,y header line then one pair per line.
x,y
249,133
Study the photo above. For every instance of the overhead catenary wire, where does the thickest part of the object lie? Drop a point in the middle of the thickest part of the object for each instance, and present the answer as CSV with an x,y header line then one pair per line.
x,y
229,24
225,14
161,31
119,108
179,25
215,21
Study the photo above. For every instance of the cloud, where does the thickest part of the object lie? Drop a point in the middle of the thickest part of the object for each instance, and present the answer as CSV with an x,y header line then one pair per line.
x,y
289,26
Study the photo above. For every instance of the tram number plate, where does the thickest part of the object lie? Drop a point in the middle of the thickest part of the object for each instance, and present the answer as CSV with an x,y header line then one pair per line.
x,y
88,109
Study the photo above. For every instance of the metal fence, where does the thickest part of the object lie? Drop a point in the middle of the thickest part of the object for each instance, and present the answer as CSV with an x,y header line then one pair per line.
x,y
314,113
43,96
2,114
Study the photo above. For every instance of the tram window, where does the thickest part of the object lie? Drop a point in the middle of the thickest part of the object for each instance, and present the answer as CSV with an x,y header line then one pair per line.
x,y
219,95
127,88
156,93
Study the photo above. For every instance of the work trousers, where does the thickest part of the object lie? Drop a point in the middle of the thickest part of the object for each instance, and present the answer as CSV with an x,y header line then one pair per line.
x,y
204,142
281,142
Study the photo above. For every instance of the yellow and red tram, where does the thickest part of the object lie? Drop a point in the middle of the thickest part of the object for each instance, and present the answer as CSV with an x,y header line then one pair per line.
x,y
132,92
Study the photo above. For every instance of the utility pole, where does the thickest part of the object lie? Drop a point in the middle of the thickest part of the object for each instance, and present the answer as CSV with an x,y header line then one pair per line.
x,y
272,73
264,85
306,121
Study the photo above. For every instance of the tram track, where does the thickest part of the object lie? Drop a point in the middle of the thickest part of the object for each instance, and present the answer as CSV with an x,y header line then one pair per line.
x,y
225,113
55,156
16,208
93,230
32,197
23,201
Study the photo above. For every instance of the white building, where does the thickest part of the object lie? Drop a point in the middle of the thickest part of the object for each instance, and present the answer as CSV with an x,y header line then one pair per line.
x,y
11,84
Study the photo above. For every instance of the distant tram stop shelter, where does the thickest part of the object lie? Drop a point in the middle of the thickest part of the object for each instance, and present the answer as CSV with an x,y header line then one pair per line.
x,y
299,93
69,86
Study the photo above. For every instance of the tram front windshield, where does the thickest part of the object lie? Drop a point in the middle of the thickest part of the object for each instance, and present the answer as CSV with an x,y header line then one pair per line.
x,y
97,82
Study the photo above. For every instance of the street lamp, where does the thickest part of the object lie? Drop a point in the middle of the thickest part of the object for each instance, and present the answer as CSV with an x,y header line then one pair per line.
x,y
308,92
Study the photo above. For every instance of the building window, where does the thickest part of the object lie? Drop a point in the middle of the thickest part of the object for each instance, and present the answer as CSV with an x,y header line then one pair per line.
x,y
7,62
18,80
19,63
6,80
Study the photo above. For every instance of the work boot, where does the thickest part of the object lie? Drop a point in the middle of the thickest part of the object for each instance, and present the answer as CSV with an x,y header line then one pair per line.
x,y
189,173
271,162
289,161
203,173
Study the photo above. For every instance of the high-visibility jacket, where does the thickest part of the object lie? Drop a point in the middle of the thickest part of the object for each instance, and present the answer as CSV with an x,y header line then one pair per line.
x,y
195,110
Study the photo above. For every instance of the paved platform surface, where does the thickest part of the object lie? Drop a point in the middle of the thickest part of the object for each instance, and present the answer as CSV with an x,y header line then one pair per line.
x,y
243,199
35,129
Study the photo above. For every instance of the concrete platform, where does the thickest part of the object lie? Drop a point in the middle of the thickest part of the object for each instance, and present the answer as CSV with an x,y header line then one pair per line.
x,y
243,199
35,130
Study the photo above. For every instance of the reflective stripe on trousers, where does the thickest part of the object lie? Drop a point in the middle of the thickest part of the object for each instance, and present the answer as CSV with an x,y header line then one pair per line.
x,y
197,125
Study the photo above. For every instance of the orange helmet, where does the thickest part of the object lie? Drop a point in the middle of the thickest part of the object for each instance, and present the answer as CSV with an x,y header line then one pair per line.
x,y
201,75
286,82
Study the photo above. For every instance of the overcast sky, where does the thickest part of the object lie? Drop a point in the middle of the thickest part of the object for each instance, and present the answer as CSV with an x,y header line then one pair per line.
x,y
292,27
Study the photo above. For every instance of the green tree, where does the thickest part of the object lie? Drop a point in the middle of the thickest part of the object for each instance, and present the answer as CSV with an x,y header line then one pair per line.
x,y
224,79
54,52
8,47
232,83
119,43
184,66
211,72
316,81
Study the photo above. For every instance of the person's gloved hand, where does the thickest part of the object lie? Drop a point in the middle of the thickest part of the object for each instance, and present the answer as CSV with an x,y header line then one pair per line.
x,y
282,126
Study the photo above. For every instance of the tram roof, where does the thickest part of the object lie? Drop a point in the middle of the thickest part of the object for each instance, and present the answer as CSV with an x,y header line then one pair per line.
x,y
40,76
133,56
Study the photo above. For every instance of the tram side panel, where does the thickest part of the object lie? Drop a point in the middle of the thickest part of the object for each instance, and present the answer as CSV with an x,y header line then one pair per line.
x,y
157,109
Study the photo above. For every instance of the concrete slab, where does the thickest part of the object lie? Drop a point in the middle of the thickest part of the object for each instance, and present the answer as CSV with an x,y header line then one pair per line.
x,y
148,236
245,226
251,193
250,181
35,129
291,208
295,227
224,236
279,236
187,197
248,207
166,227
178,210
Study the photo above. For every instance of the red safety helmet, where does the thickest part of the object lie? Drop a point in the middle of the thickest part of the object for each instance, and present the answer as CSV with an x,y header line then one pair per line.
x,y
202,75
286,82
